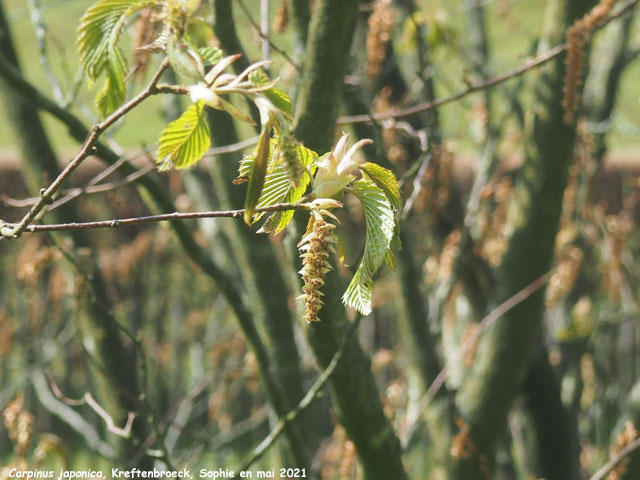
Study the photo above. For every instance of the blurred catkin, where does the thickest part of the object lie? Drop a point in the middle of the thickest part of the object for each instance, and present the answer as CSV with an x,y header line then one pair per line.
x,y
379,34
578,35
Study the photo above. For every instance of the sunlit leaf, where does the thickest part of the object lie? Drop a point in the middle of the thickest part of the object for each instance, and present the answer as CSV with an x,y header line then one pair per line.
x,y
257,176
258,78
210,55
386,180
185,140
235,112
114,91
98,36
280,100
278,188
380,224
395,247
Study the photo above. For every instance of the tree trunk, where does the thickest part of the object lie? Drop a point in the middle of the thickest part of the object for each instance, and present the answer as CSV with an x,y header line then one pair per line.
x,y
486,397
354,391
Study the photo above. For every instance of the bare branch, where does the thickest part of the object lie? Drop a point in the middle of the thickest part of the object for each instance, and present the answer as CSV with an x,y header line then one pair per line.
x,y
611,464
68,415
95,406
266,37
303,404
120,222
41,33
87,149
473,88
108,420
490,319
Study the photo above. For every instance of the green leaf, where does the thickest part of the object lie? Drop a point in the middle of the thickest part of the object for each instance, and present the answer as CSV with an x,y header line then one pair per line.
x,y
210,55
380,224
98,36
395,247
185,140
279,188
280,100
235,112
307,158
114,91
386,180
258,78
258,174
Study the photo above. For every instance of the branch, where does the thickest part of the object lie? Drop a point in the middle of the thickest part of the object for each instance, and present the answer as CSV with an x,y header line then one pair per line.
x,y
69,416
438,102
611,464
108,420
486,322
7,228
87,149
95,406
303,404
41,33
266,37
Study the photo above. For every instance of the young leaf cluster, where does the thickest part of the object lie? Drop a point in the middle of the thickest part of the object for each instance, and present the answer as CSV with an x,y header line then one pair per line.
x,y
279,170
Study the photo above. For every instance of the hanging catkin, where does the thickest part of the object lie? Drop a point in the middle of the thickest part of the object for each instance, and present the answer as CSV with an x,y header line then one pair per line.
x,y
314,250
578,35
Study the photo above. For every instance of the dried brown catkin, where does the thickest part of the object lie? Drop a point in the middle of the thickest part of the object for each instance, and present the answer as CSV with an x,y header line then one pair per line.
x,y
578,35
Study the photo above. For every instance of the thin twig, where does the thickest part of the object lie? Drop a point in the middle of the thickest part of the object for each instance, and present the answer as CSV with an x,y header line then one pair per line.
x,y
264,28
486,322
41,33
266,37
87,399
438,102
611,464
303,404
108,420
104,187
87,149
121,222
233,147
92,187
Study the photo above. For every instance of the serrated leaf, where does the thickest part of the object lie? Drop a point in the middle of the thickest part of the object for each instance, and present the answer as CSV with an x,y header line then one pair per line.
x,y
307,158
185,140
278,187
286,191
210,55
114,91
258,78
395,247
98,36
185,59
258,174
386,180
280,100
380,224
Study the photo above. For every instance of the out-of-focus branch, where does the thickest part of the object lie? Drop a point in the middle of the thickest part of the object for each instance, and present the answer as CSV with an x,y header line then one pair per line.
x,y
68,415
87,399
303,404
477,87
487,321
611,464
87,149
265,37
41,33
